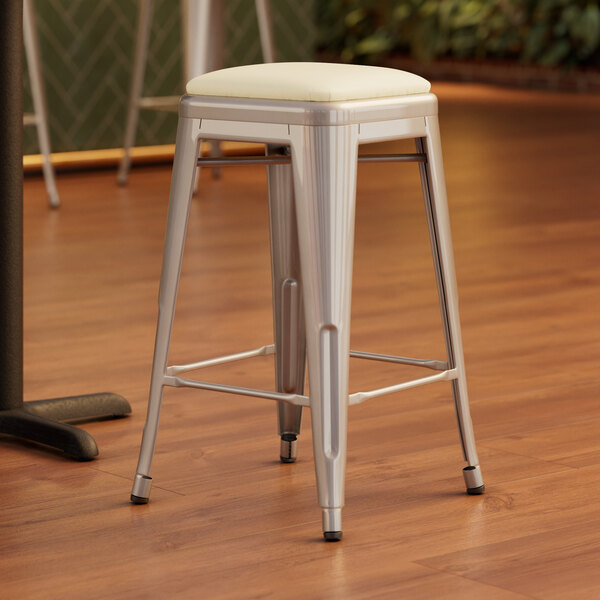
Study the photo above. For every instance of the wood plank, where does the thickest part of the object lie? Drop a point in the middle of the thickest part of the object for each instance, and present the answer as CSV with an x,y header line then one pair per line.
x,y
562,563
574,445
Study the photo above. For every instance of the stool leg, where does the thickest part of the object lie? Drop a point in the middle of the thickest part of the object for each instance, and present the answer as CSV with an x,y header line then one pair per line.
x,y
265,30
214,61
288,310
324,163
181,192
202,23
434,191
142,40
39,101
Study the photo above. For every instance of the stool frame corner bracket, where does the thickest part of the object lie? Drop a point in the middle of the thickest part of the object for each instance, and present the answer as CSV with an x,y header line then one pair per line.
x,y
311,158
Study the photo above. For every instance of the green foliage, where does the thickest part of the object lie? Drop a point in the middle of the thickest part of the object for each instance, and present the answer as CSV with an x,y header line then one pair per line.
x,y
545,32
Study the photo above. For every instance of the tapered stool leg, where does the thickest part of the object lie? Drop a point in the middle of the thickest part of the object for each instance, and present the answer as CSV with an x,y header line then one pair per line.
x,y
288,309
434,190
181,192
39,100
324,161
265,30
202,33
142,40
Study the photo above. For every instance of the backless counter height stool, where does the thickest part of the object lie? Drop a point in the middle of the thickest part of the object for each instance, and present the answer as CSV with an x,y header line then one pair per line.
x,y
313,115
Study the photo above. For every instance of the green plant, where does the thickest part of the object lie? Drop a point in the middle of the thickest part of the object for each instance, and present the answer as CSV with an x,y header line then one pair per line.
x,y
546,32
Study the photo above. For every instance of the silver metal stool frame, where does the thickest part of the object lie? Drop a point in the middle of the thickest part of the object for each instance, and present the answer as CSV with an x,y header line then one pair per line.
x,y
202,34
312,235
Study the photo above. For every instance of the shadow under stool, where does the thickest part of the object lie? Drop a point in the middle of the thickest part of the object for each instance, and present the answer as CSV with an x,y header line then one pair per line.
x,y
312,117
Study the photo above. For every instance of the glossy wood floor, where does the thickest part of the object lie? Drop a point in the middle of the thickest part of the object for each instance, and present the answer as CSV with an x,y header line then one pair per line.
x,y
227,520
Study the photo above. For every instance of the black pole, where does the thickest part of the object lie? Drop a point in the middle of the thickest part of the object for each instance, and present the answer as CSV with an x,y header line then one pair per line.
x,y
34,421
11,199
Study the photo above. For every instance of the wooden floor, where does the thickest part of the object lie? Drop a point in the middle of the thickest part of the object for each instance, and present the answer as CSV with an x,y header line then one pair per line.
x,y
227,520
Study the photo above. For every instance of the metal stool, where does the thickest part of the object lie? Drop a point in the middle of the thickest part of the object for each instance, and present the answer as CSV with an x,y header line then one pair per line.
x,y
202,33
313,115
39,117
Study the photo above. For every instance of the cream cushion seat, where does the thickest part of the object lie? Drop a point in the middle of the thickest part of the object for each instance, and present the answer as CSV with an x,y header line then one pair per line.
x,y
307,82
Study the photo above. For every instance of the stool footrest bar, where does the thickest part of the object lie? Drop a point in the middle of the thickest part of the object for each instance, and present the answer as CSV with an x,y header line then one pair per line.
x,y
169,103
360,397
30,119
262,351
285,160
300,400
296,399
435,365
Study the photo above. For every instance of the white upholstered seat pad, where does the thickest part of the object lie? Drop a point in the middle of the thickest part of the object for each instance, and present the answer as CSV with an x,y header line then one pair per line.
x,y
307,82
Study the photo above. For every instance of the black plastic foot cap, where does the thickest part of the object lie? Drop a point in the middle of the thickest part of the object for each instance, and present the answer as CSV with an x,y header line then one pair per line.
x,y
138,500
287,452
476,490
332,536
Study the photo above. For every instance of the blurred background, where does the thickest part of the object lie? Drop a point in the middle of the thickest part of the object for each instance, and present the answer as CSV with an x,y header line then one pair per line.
x,y
87,51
